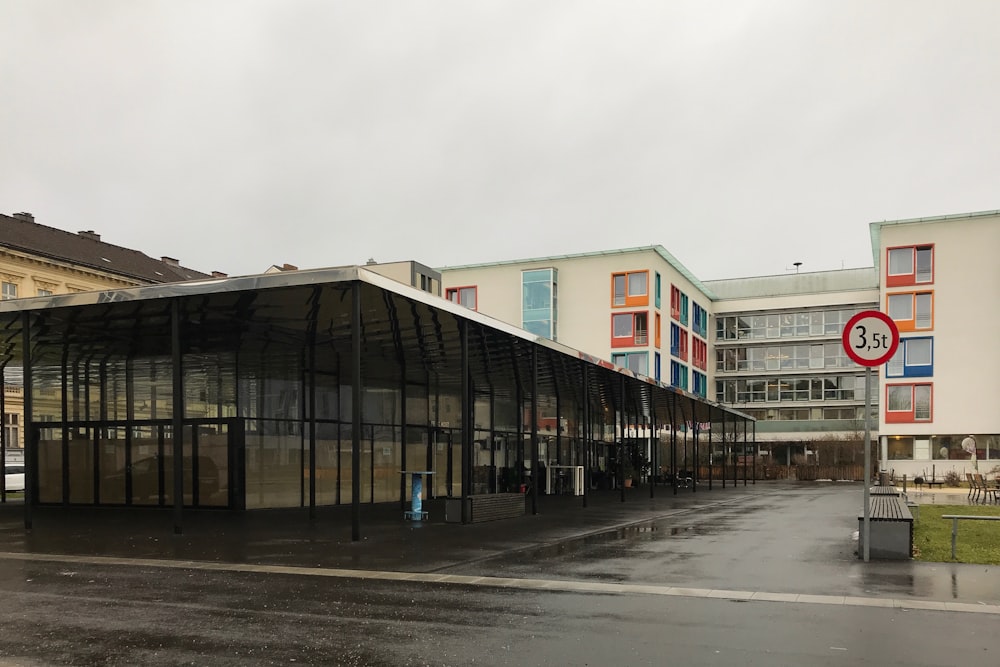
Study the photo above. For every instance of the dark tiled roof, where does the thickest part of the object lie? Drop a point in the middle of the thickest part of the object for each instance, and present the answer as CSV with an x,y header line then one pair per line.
x,y
17,233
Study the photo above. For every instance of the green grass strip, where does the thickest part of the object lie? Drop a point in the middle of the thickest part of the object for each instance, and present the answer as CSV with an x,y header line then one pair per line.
x,y
978,541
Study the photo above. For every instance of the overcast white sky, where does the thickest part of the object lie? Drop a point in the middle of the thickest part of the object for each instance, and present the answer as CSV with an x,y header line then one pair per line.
x,y
741,135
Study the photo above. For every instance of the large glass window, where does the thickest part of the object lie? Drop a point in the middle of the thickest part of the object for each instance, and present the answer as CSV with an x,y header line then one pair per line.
x,y
9,290
539,300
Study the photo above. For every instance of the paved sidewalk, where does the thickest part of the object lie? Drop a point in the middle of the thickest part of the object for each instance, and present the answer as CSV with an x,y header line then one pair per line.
x,y
775,537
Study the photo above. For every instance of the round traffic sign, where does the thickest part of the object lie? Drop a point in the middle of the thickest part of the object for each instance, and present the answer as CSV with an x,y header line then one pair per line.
x,y
870,338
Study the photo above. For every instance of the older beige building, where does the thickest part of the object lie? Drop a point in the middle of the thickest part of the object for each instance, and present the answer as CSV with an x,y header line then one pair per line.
x,y
36,260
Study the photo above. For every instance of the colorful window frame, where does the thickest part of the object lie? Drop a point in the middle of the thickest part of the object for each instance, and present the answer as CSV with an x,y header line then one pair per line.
x,y
682,352
656,281
683,319
656,366
467,296
630,329
637,362
675,302
699,353
657,330
700,384
911,311
675,339
630,289
699,323
914,358
679,375
909,403
909,265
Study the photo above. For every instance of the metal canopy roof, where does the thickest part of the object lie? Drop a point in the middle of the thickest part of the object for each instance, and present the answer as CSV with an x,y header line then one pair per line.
x,y
402,328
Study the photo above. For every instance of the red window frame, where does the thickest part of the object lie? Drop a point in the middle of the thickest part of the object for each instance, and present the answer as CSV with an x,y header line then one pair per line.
x,y
675,303
682,352
908,279
908,416
450,292
699,354
634,339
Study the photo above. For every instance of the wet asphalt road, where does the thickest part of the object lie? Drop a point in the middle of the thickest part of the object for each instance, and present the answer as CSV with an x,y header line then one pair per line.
x,y
780,539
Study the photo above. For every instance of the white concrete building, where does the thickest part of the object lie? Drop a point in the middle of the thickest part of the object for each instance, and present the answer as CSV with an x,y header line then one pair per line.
x,y
770,346
939,279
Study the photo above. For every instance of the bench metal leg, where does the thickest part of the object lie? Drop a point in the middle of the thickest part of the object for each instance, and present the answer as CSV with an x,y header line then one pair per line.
x,y
954,536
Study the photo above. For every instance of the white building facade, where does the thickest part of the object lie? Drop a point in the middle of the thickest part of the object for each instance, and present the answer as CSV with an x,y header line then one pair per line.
x,y
939,280
770,346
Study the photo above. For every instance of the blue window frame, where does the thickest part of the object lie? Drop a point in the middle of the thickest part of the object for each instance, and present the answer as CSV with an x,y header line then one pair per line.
x,y
700,384
913,359
675,340
700,321
656,366
679,375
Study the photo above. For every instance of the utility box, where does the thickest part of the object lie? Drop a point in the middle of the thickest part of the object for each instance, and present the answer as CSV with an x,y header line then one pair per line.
x,y
453,509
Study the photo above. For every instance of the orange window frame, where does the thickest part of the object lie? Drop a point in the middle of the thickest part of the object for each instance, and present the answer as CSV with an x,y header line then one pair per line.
x,y
637,301
911,323
657,330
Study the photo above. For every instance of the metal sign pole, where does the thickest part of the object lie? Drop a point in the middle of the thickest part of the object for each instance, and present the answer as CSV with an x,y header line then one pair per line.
x,y
868,462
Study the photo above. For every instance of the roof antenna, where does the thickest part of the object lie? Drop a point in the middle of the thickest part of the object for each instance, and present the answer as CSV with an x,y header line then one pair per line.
x,y
796,265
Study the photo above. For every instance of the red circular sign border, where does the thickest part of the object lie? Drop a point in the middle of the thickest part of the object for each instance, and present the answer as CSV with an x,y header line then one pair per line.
x,y
846,334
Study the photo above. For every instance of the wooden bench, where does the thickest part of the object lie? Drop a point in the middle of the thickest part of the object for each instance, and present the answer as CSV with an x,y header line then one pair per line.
x,y
891,529
486,507
955,518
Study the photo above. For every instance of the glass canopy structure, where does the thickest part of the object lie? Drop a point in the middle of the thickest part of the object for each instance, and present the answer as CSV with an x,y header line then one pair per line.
x,y
312,388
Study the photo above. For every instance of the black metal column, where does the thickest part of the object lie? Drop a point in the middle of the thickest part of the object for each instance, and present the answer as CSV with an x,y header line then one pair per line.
x,y
356,411
177,414
711,451
673,441
586,432
28,427
754,431
467,407
621,439
724,454
697,460
535,482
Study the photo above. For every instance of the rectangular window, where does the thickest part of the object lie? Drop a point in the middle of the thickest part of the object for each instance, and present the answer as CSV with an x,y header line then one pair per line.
x,y
656,366
44,292
539,302
630,289
629,329
908,403
10,426
912,311
637,362
657,279
9,291
684,309
464,296
657,332
700,322
700,384
679,375
682,352
675,302
909,265
699,356
675,340
913,358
